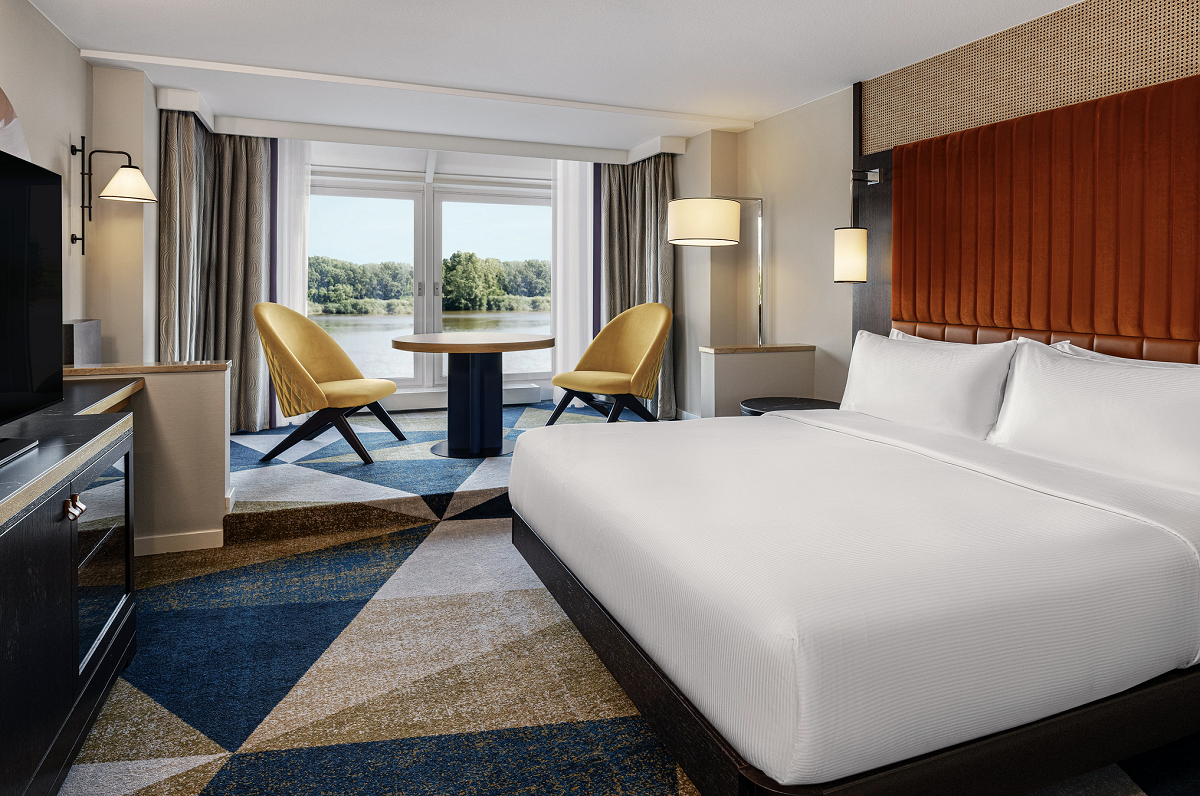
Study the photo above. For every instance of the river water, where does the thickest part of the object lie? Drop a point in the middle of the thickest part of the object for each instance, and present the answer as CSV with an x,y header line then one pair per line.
x,y
368,339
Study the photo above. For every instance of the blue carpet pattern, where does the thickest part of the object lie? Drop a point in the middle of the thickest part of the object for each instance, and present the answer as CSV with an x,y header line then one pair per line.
x,y
371,631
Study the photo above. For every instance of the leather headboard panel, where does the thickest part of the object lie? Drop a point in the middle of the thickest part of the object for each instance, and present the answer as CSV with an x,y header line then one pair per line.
x,y
1079,223
1157,349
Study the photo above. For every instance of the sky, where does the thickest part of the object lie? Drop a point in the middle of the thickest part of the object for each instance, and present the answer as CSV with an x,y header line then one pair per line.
x,y
373,230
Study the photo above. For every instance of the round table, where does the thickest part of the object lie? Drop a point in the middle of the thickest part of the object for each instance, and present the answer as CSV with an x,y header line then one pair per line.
x,y
474,399
758,406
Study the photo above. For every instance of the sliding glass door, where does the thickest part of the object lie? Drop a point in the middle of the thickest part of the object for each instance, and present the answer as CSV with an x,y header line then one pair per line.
x,y
493,255
388,261
363,267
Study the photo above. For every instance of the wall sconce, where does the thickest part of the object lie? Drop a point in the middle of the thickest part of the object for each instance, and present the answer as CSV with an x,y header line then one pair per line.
x,y
127,185
850,243
849,254
715,221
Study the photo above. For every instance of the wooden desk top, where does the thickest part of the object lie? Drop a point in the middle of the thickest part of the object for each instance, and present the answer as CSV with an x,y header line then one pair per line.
x,y
69,433
126,368
471,342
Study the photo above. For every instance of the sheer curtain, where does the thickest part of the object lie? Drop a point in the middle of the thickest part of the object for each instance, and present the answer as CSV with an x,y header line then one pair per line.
x,y
638,264
570,263
291,233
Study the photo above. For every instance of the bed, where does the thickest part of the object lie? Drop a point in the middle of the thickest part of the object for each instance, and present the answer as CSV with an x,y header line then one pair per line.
x,y
846,602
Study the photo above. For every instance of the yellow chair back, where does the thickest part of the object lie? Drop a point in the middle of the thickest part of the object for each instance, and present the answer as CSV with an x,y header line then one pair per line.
x,y
300,355
633,342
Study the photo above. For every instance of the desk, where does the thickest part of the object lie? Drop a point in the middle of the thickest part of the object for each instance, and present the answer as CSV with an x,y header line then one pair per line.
x,y
474,402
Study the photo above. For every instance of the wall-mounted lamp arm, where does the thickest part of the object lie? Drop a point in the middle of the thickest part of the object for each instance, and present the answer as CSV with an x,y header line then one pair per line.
x,y
86,174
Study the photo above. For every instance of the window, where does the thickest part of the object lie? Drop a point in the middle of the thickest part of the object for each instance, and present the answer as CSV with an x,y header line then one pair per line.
x,y
360,277
495,272
372,277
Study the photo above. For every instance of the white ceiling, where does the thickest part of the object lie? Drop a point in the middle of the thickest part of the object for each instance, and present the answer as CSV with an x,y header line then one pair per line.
x,y
668,67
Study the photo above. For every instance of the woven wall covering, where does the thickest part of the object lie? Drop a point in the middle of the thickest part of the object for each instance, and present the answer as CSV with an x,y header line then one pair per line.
x,y
1089,50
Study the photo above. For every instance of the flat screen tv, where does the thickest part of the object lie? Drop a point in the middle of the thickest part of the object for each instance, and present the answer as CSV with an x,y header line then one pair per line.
x,y
31,361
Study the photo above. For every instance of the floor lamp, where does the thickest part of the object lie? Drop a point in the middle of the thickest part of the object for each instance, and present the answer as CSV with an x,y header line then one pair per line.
x,y
715,221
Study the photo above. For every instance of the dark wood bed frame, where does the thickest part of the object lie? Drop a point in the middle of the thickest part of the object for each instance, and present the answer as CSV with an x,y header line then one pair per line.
x,y
1008,763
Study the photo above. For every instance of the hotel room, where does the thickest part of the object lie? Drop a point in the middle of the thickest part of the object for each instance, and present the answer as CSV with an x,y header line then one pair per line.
x,y
688,399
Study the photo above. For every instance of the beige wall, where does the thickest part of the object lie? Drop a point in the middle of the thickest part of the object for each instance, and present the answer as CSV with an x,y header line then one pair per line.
x,y
124,235
705,279
799,162
49,85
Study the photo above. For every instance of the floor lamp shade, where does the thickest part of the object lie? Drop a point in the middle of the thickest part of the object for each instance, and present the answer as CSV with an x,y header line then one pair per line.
x,y
128,185
850,254
704,222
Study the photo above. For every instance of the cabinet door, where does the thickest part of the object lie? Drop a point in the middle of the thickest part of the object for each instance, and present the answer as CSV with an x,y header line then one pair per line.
x,y
37,656
103,556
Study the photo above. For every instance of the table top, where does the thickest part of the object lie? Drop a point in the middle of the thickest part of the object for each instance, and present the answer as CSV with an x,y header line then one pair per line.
x,y
758,406
471,342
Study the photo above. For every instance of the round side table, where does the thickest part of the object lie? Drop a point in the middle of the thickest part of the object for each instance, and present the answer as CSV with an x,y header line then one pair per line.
x,y
757,406
474,398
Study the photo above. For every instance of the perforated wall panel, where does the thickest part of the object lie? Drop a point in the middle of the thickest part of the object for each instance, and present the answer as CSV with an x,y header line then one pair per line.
x,y
1089,50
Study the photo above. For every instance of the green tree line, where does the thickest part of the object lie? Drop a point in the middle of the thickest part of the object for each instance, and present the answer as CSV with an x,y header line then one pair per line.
x,y
470,282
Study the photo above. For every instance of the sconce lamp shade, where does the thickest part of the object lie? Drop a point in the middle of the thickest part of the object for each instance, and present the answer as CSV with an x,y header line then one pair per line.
x,y
128,185
850,254
704,222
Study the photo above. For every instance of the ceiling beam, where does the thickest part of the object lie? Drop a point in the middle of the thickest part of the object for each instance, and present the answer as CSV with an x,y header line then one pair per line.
x,y
236,125
715,122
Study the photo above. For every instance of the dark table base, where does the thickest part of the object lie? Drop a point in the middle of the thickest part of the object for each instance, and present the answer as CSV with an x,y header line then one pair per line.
x,y
474,408
443,449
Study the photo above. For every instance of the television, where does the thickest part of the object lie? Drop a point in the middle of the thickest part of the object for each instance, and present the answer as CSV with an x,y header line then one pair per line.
x,y
31,360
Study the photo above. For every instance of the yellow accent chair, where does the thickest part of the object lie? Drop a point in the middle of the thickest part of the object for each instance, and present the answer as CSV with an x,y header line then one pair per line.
x,y
623,361
312,373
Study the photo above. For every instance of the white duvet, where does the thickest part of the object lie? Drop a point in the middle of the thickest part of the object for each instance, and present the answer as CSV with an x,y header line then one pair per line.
x,y
836,592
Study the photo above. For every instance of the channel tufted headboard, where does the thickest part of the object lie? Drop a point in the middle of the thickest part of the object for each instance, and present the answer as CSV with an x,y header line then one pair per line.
x,y
1080,223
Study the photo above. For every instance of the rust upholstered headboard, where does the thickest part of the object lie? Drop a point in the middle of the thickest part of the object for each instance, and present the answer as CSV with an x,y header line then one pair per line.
x,y
1080,223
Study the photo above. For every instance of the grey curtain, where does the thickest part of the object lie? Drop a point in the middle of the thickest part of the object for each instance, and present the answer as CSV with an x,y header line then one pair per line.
x,y
637,264
213,255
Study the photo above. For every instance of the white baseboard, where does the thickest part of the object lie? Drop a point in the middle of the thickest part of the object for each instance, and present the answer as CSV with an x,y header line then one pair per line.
x,y
682,415
229,501
178,542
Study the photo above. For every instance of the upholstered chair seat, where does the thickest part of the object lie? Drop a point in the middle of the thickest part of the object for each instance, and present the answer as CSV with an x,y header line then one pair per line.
x,y
356,392
623,361
312,373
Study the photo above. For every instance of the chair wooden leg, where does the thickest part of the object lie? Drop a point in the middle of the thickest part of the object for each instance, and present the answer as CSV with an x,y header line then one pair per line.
x,y
639,409
562,405
343,425
600,406
318,432
319,422
617,406
386,419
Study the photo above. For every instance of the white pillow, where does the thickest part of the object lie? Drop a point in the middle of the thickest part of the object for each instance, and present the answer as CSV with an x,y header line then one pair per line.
x,y
1067,348
955,389
1129,421
896,334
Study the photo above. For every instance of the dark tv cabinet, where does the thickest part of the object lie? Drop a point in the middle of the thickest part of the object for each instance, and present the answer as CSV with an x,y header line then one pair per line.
x,y
67,618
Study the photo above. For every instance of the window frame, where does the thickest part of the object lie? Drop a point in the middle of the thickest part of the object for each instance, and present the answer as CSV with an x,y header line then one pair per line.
x,y
428,198
443,194
417,196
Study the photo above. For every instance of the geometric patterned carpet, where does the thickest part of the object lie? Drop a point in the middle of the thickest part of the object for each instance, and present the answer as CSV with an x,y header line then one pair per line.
x,y
370,630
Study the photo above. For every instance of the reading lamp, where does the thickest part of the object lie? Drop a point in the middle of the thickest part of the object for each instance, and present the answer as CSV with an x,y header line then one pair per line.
x,y
850,243
127,185
715,221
